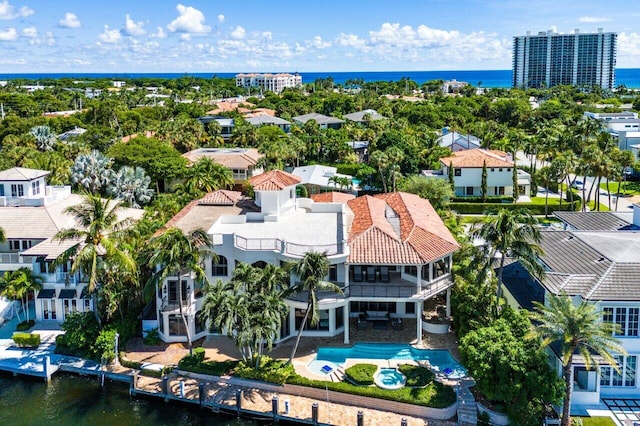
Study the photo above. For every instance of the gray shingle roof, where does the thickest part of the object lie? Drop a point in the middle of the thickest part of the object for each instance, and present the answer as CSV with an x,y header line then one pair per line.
x,y
593,221
318,118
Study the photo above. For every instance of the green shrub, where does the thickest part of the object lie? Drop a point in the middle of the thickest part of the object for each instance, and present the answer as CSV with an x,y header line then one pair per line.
x,y
126,362
199,354
212,368
152,338
493,199
127,328
434,395
25,325
269,370
416,376
361,374
81,331
104,346
26,340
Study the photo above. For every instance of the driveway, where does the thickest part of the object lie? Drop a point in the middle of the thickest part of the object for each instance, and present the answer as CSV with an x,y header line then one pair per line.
x,y
625,411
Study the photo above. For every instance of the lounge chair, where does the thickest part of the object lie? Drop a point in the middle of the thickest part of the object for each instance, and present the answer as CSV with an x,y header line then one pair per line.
x,y
371,274
357,274
384,274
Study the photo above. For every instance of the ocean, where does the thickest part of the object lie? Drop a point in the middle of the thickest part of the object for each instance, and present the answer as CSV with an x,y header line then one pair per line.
x,y
629,77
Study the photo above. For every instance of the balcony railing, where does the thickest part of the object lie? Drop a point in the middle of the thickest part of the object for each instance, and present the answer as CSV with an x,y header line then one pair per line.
x,y
275,244
173,304
11,258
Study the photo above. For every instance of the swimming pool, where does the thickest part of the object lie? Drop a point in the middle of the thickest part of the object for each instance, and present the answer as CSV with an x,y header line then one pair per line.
x,y
439,359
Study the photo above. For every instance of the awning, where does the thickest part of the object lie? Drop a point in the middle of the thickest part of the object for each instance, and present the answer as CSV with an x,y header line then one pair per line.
x,y
47,293
85,293
67,293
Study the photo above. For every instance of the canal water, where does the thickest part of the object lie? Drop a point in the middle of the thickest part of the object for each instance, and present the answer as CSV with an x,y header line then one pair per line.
x,y
77,400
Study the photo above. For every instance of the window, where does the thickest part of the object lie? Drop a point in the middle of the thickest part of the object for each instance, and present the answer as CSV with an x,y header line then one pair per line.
x,y
176,326
493,170
469,190
259,264
17,190
509,170
35,187
498,190
333,272
626,377
173,291
409,308
219,268
1,190
411,270
500,169
441,267
625,319
200,323
457,172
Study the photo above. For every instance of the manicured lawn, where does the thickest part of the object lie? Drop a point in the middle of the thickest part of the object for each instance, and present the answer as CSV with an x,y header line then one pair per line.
x,y
596,421
626,188
603,206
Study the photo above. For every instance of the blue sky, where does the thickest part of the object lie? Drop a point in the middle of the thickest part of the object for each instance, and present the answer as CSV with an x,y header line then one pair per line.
x,y
283,35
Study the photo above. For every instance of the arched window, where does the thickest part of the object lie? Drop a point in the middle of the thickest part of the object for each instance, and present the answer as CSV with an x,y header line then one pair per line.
x,y
259,264
219,266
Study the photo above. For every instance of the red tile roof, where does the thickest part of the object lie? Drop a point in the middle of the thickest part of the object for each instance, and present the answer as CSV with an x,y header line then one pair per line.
x,y
397,228
474,158
274,180
332,197
220,197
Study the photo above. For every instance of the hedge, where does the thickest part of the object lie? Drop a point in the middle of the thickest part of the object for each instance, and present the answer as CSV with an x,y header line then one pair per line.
x,y
26,340
25,325
361,374
535,209
416,376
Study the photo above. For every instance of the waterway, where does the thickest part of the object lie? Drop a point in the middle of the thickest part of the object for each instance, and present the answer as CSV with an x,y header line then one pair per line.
x,y
76,400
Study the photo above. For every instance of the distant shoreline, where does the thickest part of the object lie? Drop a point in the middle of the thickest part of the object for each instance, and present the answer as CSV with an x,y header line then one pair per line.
x,y
630,77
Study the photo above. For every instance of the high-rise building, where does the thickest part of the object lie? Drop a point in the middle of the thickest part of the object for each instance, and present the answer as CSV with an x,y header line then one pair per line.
x,y
579,59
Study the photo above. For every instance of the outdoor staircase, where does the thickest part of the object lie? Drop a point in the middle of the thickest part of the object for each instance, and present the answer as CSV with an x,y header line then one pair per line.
x,y
337,375
467,408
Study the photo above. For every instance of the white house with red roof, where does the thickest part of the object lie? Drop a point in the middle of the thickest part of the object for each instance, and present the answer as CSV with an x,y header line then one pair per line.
x,y
389,253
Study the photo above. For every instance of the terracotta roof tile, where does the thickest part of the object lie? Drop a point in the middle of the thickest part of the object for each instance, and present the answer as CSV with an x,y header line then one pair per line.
x,y
274,180
220,197
332,197
475,157
397,228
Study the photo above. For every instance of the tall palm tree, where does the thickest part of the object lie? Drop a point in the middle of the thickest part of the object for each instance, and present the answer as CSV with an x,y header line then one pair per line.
x,y
311,270
511,233
18,284
97,235
176,252
578,329
3,235
205,176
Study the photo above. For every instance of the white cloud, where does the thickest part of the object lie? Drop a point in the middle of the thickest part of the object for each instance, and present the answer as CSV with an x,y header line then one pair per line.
x,y
10,34
70,20
190,20
593,19
8,11
220,18
351,40
30,32
159,34
133,28
238,33
110,36
318,43
20,61
628,44
185,37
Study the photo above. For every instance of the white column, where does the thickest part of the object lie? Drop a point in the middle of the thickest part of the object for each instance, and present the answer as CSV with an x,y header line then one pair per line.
x,y
345,312
419,322
418,278
346,279
449,302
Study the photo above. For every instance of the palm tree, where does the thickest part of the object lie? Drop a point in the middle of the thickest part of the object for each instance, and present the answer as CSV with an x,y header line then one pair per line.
x,y
175,252
18,284
92,171
206,176
579,330
511,233
131,185
97,238
45,138
3,235
311,270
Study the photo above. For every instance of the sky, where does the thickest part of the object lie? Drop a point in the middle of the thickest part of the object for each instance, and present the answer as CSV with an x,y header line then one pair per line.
x,y
193,36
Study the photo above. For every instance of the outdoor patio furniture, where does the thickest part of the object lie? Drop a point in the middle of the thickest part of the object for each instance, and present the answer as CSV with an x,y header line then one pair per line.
x,y
397,324
384,274
357,274
371,274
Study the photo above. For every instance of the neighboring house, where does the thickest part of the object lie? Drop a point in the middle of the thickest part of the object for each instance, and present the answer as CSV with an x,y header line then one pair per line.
x,y
324,121
273,82
243,162
317,178
467,173
457,141
389,253
597,259
268,120
226,124
364,116
31,214
361,149
453,86
623,126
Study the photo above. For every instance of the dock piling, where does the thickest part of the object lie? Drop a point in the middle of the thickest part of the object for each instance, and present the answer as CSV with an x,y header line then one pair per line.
x,y
403,422
201,394
165,388
360,418
274,407
239,401
314,413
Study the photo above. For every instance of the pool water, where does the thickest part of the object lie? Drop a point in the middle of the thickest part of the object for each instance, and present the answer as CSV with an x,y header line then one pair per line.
x,y
439,359
389,378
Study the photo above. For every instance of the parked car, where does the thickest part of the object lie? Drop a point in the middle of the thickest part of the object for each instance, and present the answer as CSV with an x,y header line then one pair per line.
x,y
578,184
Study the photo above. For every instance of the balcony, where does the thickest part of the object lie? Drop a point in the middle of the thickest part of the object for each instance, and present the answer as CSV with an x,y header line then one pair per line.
x,y
286,248
11,258
169,305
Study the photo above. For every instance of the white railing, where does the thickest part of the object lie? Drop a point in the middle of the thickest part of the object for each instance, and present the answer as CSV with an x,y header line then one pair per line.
x,y
278,245
11,258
